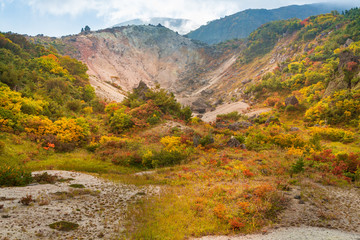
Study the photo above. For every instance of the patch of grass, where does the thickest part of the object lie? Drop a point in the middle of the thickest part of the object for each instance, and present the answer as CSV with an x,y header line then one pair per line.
x,y
76,185
64,226
173,217
79,160
45,178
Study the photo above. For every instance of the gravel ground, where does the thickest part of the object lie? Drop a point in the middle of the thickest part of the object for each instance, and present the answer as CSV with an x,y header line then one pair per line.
x,y
293,233
99,208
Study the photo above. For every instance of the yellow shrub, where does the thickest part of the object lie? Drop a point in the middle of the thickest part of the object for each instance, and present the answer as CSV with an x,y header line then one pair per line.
x,y
38,125
105,139
172,144
333,134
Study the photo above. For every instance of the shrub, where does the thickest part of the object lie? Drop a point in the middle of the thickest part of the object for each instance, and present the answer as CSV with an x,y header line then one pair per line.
x,y
240,138
207,140
233,116
162,158
333,134
45,178
120,121
298,166
26,201
14,176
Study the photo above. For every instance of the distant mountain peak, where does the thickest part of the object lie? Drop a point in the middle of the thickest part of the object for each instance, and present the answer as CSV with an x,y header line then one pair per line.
x,y
182,26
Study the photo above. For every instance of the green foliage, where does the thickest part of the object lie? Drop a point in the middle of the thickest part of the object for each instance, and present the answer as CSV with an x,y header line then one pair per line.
x,y
262,40
240,138
207,140
341,107
120,121
163,158
233,116
64,226
14,176
298,166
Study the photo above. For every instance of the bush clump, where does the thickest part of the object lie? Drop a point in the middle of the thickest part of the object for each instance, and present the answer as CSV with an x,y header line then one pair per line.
x,y
14,176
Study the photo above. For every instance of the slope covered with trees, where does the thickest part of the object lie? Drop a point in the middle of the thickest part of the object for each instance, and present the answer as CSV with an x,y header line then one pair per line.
x,y
241,24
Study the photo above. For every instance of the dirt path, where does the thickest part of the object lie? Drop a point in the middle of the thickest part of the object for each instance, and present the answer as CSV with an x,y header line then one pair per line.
x,y
99,208
225,108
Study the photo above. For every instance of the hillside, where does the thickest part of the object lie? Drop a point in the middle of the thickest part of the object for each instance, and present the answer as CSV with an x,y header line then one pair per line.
x,y
119,58
241,24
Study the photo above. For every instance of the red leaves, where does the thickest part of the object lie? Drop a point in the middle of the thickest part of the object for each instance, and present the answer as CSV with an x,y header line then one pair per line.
x,y
351,66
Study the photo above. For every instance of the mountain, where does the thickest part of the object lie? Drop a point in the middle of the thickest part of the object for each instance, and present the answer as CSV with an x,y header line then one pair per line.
x,y
181,26
119,58
241,24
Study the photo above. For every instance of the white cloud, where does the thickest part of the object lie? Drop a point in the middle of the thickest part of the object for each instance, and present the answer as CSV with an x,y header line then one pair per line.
x,y
115,11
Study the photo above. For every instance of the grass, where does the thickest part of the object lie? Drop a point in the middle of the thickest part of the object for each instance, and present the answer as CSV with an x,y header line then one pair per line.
x,y
80,160
64,226
172,216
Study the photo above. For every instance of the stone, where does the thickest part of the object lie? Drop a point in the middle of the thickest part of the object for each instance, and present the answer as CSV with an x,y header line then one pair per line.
x,y
270,119
234,126
291,101
233,142
245,124
242,146
140,90
196,140
246,81
348,42
294,129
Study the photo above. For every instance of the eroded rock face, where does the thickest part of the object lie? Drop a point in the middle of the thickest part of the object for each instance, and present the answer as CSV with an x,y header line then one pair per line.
x,y
119,58
291,101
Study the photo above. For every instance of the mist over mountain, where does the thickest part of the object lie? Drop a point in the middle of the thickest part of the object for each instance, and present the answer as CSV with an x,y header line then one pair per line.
x,y
241,24
181,26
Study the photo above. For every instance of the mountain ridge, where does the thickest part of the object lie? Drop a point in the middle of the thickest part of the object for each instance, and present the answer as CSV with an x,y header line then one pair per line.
x,y
241,24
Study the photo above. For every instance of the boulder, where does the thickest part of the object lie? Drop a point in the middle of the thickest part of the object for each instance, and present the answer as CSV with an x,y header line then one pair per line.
x,y
291,101
233,142
270,119
246,81
245,124
348,42
294,129
196,140
234,126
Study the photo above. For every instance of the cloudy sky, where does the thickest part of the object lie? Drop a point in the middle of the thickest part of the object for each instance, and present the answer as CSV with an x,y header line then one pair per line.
x,y
63,17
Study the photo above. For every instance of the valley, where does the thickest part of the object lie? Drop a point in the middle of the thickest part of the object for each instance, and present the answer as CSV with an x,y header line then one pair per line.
x,y
138,132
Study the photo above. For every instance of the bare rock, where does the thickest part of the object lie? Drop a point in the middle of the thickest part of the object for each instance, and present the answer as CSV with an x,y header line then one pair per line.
x,y
294,129
291,101
233,142
348,42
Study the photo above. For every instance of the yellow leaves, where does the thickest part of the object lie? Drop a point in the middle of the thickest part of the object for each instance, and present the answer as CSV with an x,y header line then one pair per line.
x,y
67,130
10,100
333,134
172,143
105,139
337,51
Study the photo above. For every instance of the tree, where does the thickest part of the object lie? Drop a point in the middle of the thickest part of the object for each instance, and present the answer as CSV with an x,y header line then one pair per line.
x,y
87,28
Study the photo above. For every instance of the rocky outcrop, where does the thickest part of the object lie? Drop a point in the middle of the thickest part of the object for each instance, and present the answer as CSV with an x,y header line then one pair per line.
x,y
119,58
291,101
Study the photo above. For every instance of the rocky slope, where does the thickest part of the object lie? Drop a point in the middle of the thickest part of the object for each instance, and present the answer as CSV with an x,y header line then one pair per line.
x,y
119,58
